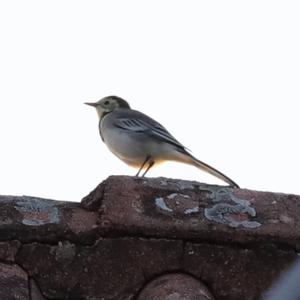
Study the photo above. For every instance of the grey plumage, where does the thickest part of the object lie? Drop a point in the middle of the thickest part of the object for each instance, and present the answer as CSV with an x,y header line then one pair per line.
x,y
140,141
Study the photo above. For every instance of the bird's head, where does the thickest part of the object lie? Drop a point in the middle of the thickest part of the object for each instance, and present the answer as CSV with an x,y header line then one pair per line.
x,y
108,104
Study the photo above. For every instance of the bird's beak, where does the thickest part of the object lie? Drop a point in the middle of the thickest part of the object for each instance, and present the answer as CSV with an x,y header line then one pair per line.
x,y
94,104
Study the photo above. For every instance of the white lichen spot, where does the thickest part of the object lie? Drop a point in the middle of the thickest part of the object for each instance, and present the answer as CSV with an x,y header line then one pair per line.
x,y
191,210
174,195
160,202
251,224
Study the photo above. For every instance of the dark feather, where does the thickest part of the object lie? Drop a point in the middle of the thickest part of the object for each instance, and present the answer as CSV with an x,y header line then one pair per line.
x,y
138,122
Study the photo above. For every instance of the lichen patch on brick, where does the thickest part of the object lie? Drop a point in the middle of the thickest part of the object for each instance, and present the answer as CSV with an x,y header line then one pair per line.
x,y
231,210
35,212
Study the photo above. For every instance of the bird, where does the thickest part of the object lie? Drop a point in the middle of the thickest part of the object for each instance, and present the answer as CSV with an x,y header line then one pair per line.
x,y
140,141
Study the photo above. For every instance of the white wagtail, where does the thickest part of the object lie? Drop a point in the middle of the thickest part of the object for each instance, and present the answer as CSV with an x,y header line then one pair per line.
x,y
140,141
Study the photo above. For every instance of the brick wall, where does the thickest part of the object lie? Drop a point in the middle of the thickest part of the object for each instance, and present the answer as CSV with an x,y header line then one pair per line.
x,y
146,238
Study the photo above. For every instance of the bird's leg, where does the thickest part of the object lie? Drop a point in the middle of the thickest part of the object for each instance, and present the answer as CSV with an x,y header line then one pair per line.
x,y
148,168
141,168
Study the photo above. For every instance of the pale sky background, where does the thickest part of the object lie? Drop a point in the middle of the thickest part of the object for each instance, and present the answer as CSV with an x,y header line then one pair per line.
x,y
222,76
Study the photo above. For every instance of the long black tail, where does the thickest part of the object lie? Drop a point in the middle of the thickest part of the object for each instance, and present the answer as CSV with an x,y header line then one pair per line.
x,y
205,167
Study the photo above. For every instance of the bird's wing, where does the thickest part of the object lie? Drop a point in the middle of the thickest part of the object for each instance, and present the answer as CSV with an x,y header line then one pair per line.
x,y
141,123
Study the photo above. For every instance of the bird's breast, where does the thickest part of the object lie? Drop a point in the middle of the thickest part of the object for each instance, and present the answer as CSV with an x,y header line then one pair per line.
x,y
125,145
134,146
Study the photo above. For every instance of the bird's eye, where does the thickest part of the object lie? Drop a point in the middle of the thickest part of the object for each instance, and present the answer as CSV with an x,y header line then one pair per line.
x,y
106,102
